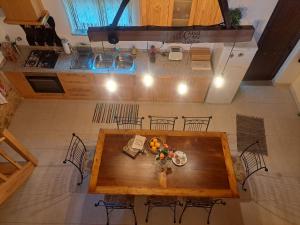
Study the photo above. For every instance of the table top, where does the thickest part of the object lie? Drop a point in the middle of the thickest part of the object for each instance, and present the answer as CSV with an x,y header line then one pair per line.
x,y
208,172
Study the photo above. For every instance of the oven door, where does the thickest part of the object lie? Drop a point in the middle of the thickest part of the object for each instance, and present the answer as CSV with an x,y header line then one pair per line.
x,y
44,82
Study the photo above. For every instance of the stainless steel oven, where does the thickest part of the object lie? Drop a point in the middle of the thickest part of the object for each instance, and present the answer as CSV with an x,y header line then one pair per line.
x,y
44,82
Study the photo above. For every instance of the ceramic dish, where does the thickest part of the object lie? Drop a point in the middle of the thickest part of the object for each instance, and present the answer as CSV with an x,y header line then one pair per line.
x,y
180,158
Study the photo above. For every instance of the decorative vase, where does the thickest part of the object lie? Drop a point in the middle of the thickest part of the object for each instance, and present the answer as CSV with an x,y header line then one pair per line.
x,y
164,165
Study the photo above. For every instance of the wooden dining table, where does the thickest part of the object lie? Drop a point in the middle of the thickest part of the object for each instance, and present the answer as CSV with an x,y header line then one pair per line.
x,y
207,173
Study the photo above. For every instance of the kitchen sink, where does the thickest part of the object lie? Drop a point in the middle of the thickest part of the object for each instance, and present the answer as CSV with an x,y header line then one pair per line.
x,y
82,59
103,61
116,63
124,61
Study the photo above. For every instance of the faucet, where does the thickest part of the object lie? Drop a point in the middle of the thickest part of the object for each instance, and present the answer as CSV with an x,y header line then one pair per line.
x,y
14,44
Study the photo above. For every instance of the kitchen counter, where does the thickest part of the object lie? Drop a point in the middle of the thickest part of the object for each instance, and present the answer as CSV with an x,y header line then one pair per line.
x,y
88,84
162,66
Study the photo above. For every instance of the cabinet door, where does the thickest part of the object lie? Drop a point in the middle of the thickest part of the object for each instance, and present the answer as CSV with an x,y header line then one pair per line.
x,y
21,84
75,78
79,86
124,91
142,93
205,13
166,88
25,10
157,12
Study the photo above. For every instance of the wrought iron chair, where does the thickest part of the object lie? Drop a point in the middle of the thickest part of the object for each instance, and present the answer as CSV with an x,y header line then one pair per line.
x,y
252,160
77,155
129,122
205,203
162,123
161,201
112,202
196,123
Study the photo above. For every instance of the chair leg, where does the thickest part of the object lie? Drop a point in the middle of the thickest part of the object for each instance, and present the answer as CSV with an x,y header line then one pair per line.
x,y
209,213
243,185
81,179
147,216
174,212
107,216
133,211
180,218
97,204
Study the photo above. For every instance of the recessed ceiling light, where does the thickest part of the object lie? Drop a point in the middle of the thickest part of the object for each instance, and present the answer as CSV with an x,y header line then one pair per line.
x,y
219,81
182,88
111,85
148,80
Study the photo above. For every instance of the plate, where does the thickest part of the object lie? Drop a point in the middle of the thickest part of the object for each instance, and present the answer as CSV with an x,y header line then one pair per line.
x,y
180,158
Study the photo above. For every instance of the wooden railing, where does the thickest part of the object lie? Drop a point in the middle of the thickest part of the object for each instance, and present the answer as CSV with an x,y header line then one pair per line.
x,y
12,173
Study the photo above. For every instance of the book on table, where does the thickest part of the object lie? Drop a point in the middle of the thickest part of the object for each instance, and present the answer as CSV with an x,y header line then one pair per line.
x,y
134,146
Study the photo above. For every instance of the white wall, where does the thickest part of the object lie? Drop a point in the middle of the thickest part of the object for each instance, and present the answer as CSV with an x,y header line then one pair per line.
x,y
295,89
255,12
290,70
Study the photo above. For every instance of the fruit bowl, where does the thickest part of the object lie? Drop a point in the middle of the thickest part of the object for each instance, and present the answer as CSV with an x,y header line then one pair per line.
x,y
154,144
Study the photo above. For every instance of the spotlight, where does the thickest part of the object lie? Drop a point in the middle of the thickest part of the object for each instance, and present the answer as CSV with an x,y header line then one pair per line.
x,y
111,86
182,88
148,80
219,81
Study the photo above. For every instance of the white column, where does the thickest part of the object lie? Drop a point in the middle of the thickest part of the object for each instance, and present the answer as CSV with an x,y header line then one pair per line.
x,y
234,65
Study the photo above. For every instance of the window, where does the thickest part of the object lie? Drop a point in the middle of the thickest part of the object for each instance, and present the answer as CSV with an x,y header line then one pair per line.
x,y
86,13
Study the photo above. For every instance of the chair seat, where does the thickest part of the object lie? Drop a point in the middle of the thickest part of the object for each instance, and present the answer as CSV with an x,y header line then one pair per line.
x,y
199,202
197,199
119,199
162,200
239,169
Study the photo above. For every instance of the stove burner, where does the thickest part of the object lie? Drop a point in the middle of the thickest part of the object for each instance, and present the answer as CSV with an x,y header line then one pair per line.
x,y
42,59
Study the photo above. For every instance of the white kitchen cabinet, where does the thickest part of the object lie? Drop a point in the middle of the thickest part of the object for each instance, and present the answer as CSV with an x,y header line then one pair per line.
x,y
234,65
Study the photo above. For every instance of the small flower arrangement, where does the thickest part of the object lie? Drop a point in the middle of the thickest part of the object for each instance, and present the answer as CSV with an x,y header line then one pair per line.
x,y
165,153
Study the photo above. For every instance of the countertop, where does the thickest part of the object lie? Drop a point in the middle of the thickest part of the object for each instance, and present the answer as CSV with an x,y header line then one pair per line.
x,y
162,66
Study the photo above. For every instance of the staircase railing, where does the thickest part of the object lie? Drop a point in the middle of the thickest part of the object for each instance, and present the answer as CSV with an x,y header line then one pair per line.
x,y
13,173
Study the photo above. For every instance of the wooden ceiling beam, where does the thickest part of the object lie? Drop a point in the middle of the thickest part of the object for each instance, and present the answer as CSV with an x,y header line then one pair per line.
x,y
225,12
189,34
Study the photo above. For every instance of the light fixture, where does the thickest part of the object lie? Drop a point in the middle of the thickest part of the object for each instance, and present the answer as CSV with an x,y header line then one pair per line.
x,y
182,88
148,80
219,81
111,85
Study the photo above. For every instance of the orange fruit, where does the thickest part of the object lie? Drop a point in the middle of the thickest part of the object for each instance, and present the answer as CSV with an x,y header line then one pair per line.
x,y
157,145
154,149
152,144
154,140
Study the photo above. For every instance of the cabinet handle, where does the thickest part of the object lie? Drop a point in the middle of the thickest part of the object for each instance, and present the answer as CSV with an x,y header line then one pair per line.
x,y
240,54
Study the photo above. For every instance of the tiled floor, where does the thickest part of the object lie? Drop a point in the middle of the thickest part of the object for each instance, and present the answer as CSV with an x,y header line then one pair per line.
x,y
51,197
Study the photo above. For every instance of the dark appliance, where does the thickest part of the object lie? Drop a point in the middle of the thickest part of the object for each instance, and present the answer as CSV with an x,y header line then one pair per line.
x,y
44,82
42,59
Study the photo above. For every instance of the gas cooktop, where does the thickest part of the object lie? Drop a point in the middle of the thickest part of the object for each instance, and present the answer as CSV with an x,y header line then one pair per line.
x,y
42,59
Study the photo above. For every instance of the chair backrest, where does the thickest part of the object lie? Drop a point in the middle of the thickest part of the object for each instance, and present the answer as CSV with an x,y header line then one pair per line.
x,y
129,122
76,153
196,123
252,158
162,122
